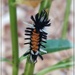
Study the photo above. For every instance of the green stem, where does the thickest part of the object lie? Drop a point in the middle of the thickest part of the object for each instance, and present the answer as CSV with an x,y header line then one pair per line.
x,y
45,5
29,69
66,18
14,37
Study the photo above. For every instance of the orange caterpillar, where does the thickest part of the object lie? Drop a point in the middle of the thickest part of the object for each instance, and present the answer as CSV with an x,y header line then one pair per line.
x,y
37,35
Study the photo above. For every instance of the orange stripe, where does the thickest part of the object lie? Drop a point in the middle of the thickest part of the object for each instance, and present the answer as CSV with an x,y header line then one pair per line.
x,y
35,40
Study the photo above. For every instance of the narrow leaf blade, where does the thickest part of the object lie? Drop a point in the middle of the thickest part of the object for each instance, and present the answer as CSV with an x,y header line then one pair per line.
x,y
59,65
5,60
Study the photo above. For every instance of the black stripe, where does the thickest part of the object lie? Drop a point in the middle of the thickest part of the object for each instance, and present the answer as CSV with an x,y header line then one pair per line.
x,y
44,33
44,41
27,43
26,53
44,37
43,46
26,38
33,19
40,56
28,34
48,24
29,28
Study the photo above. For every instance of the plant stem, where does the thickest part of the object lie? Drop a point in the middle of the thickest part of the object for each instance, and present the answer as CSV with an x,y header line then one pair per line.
x,y
14,37
45,5
66,18
29,69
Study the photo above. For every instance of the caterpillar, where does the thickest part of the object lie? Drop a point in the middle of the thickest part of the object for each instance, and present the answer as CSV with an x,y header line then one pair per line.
x,y
37,35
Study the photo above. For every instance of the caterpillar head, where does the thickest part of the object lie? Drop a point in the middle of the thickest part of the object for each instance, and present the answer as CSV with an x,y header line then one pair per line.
x,y
41,20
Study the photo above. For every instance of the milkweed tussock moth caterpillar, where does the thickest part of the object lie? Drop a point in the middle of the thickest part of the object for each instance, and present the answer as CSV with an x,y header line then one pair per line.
x,y
37,35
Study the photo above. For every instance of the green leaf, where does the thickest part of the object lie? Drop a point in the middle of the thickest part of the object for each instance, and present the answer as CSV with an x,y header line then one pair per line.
x,y
54,45
5,60
66,64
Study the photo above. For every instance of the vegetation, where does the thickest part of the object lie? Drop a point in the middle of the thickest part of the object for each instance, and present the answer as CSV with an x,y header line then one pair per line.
x,y
52,45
